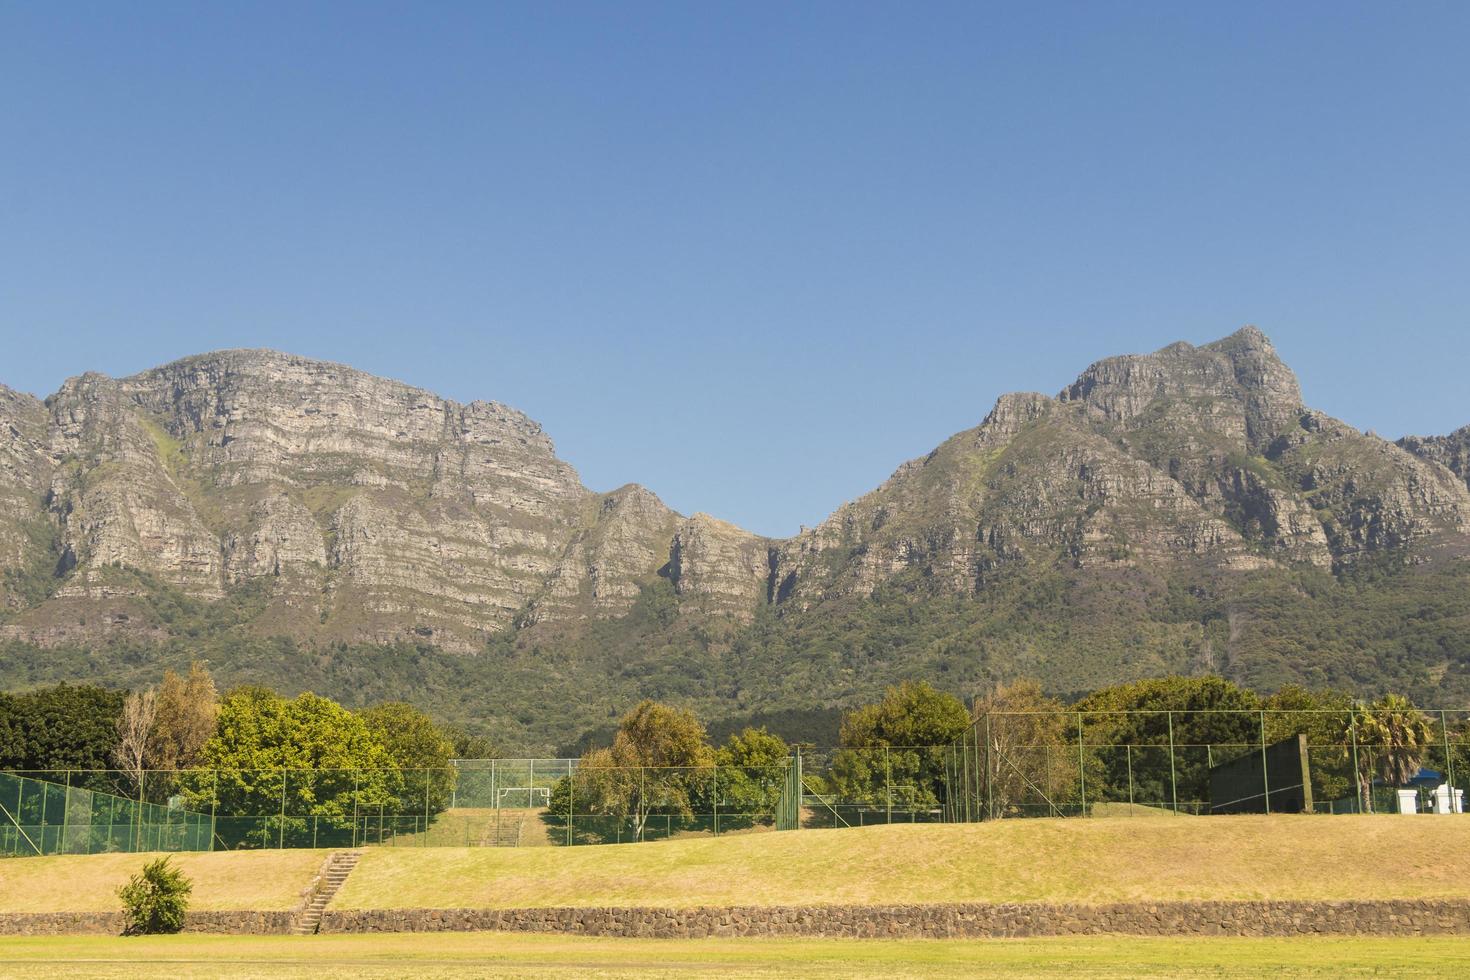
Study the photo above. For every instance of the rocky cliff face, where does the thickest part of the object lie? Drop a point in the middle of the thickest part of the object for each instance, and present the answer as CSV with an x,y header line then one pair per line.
x,y
1451,451
365,508
1201,455
350,507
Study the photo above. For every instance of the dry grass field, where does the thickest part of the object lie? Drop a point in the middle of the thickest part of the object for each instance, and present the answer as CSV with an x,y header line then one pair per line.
x,y
1094,861
261,880
498,955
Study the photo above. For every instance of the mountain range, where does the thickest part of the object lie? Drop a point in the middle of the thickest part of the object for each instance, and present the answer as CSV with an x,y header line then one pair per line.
x,y
305,524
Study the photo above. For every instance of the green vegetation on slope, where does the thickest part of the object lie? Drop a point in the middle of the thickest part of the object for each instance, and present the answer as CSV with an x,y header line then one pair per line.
x,y
1382,626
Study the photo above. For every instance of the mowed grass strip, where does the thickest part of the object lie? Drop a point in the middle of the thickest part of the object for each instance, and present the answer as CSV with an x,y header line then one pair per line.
x,y
1087,861
497,955
257,880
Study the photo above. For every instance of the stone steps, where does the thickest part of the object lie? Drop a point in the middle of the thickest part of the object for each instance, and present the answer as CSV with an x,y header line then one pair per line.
x,y
332,879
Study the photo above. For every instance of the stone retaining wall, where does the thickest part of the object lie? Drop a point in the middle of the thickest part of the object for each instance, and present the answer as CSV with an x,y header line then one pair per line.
x,y
242,923
1378,918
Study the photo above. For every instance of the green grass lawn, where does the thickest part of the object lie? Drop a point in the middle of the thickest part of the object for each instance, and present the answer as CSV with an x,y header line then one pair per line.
x,y
1090,861
496,955
258,880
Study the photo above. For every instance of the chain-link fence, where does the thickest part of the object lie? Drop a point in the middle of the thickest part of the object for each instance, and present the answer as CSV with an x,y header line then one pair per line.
x,y
500,802
39,816
1140,763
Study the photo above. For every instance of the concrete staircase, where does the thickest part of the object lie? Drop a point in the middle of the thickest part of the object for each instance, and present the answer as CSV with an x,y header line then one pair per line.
x,y
333,875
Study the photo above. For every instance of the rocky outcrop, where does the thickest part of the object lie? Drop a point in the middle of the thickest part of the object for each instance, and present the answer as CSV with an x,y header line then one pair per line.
x,y
723,567
1451,451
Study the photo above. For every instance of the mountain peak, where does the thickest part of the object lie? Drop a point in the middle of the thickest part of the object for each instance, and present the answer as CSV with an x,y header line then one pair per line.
x,y
1242,368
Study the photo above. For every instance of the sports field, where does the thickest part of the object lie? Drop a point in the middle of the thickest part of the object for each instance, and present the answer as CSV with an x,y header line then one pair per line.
x,y
496,955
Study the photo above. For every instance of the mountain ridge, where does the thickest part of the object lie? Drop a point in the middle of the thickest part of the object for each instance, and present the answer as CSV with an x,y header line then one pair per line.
x,y
255,494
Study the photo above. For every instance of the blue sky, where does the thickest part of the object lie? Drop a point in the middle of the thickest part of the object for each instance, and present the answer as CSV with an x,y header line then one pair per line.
x,y
751,255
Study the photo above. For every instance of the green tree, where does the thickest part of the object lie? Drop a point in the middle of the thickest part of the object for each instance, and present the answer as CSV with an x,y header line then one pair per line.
x,y
1129,730
657,761
66,727
421,751
751,770
1392,738
279,770
1323,716
898,749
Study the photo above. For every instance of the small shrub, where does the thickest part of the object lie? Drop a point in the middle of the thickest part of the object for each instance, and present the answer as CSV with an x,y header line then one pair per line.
x,y
156,900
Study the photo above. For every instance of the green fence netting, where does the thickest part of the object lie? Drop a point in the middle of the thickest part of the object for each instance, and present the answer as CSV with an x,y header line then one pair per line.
x,y
40,816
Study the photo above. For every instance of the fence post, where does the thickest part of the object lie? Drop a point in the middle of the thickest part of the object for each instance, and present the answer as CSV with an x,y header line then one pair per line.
x,y
989,776
888,782
1129,747
355,798
1081,768
66,808
1357,774
281,835
714,795
1449,763
571,802
1265,774
213,809
1173,773
426,807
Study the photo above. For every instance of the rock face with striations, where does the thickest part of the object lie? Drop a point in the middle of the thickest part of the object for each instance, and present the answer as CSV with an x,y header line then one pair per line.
x,y
367,509
355,508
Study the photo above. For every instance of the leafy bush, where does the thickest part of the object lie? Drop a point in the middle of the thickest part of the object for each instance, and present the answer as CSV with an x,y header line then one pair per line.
x,y
156,900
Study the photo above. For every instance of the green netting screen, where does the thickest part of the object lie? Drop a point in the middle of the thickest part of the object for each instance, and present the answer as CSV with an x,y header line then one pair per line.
x,y
38,816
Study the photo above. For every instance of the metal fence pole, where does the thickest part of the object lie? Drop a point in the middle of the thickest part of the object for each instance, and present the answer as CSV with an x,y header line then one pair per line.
x,y
1449,763
1357,774
355,798
714,795
66,810
1129,748
571,802
989,774
888,782
1173,774
426,807
214,809
281,835
1081,769
1265,774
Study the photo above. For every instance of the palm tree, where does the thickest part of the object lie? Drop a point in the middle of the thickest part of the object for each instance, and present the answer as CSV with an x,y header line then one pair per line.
x,y
1392,736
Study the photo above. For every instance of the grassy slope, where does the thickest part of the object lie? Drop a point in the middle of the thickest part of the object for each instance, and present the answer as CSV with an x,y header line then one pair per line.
x,y
496,955
262,880
1090,861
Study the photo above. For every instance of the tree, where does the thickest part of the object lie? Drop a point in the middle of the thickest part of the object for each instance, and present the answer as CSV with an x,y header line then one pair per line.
x,y
468,745
1154,741
278,769
898,749
1392,737
66,727
135,728
1324,717
421,751
188,708
750,773
653,766
1022,750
